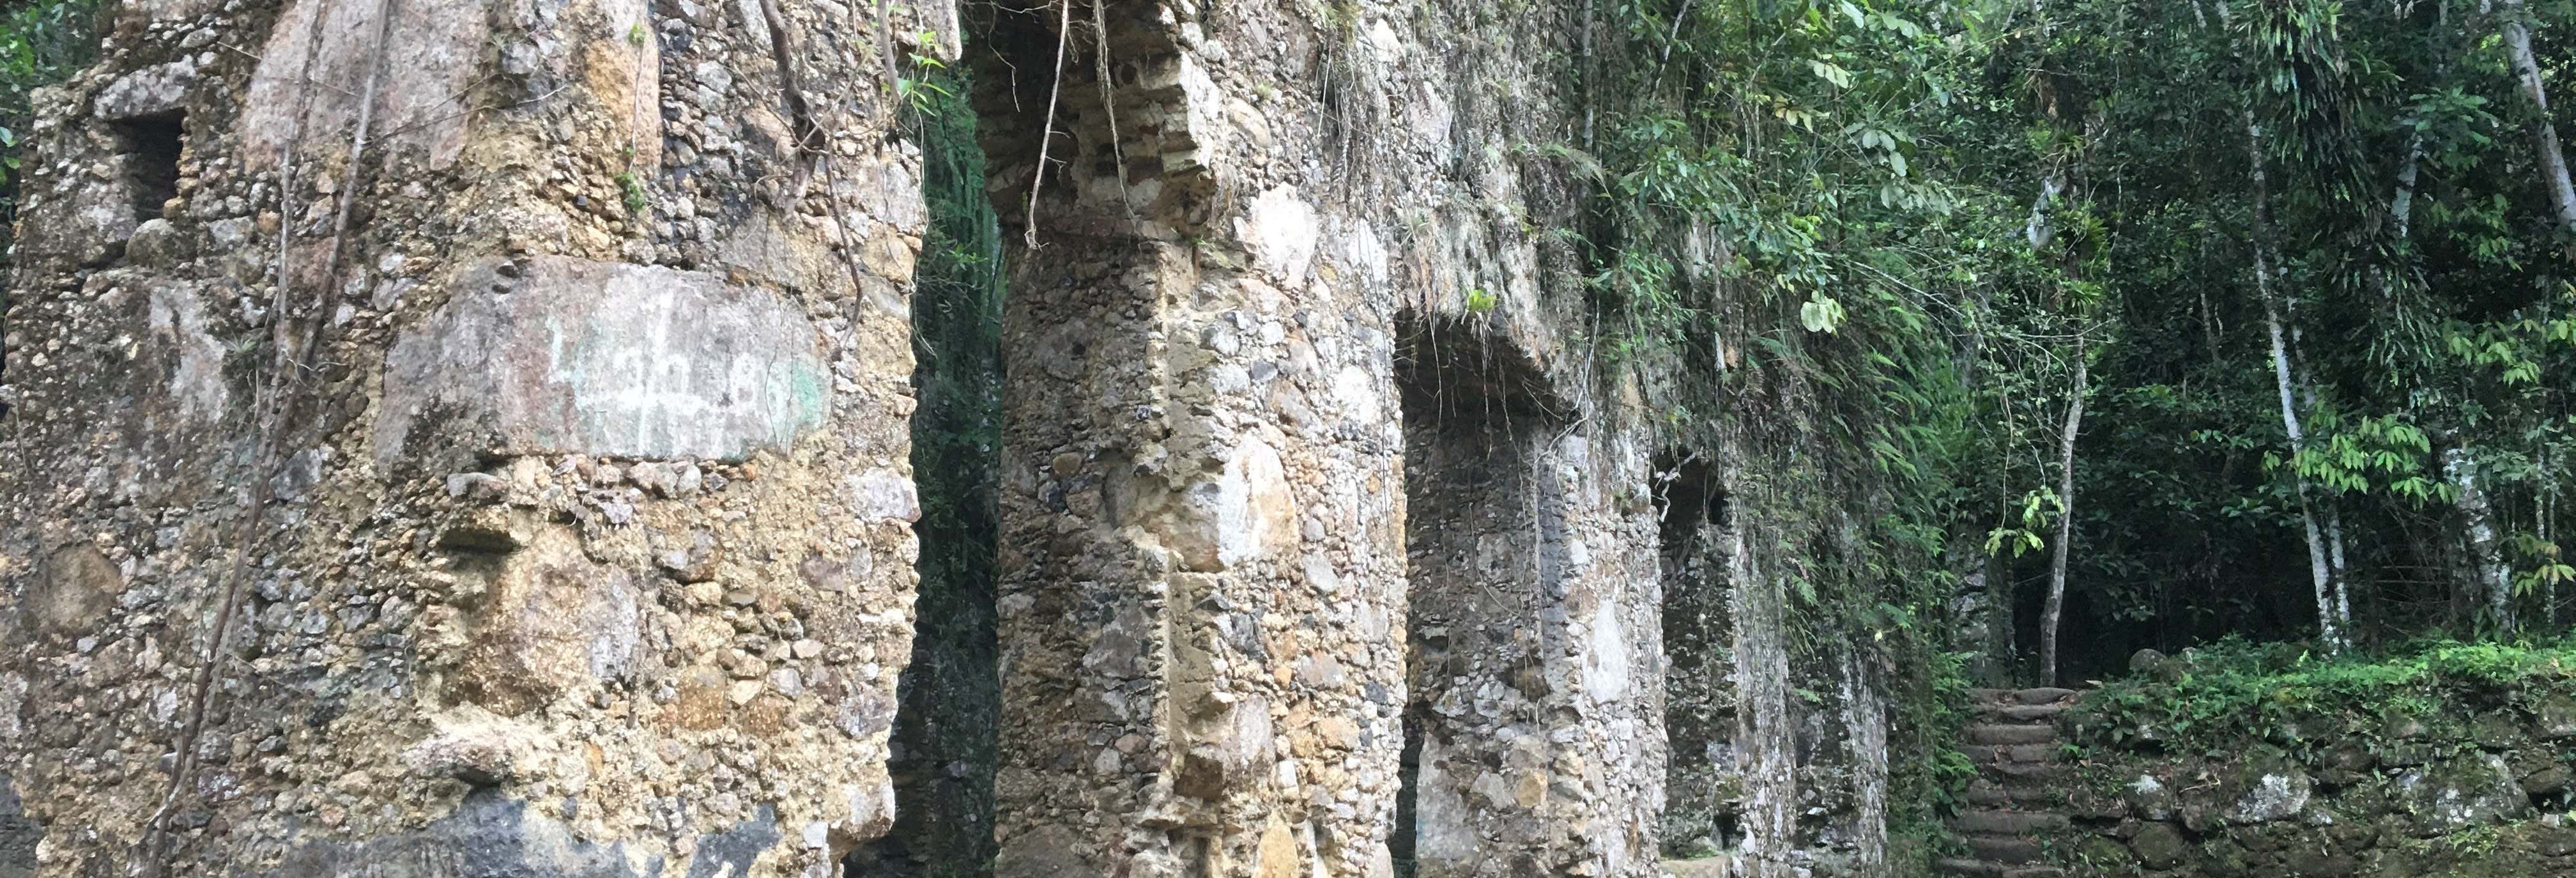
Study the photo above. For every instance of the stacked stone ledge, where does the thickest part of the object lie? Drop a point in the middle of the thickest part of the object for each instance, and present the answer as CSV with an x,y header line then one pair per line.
x,y
583,543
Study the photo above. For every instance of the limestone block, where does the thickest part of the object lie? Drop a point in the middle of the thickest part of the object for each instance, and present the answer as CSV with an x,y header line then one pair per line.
x,y
423,103
152,92
2463,791
2275,788
565,355
2159,846
73,593
489,834
85,222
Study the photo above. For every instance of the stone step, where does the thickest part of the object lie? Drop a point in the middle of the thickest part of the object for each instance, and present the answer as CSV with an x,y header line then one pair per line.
x,y
2018,733
2001,822
2023,713
1984,754
1720,866
2041,695
2005,849
1988,794
1983,869
2021,774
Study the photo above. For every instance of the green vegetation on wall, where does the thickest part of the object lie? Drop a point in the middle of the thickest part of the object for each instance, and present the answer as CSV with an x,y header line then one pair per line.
x,y
2223,697
41,42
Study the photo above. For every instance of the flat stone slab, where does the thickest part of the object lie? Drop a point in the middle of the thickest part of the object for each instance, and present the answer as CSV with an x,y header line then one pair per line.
x,y
2004,850
2012,734
1720,866
1998,822
2043,695
560,355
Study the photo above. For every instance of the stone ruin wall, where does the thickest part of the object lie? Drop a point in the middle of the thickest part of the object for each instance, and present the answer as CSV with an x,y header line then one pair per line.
x,y
2471,781
1536,721
1298,255
575,538
580,534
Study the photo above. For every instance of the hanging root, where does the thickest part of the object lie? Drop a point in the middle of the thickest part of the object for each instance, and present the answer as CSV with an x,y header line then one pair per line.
x,y
275,404
1046,136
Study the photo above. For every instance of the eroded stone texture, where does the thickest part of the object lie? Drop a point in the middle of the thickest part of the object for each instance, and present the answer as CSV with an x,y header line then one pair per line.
x,y
1703,812
1765,756
559,436
1534,648
1201,513
1223,244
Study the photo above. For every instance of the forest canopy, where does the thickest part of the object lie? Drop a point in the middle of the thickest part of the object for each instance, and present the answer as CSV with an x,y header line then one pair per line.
x,y
2191,319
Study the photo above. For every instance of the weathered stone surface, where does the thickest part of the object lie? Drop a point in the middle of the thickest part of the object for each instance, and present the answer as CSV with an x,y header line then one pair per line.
x,y
2159,846
156,91
1218,489
487,835
1523,666
425,104
2327,806
2463,791
352,540
550,624
2274,788
73,594
554,355
2557,718
18,835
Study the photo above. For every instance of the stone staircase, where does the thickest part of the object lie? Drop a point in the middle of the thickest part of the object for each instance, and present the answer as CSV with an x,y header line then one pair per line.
x,y
2012,737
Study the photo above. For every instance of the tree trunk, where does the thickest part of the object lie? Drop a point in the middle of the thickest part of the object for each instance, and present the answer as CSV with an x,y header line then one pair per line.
x,y
2318,566
2065,519
2548,530
2341,574
2494,579
2338,576
2553,162
2038,230
2402,207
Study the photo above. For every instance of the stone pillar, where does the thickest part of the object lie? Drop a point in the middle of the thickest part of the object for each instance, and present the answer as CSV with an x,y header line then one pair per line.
x,y
1766,753
1703,791
1535,638
1201,511
462,437
1206,464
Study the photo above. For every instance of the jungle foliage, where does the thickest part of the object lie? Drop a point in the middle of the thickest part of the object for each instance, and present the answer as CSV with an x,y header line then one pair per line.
x,y
2148,323
951,693
41,42
2215,698
1954,219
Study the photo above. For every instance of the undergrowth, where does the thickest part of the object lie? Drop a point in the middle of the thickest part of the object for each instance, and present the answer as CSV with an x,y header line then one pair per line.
x,y
2219,695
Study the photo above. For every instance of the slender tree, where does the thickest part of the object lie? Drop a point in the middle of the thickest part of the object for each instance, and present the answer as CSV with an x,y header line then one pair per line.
x,y
2492,575
2048,621
2544,133
2330,626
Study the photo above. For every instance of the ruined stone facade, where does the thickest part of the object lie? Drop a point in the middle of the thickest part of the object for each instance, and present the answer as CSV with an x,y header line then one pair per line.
x,y
544,366
1329,545
455,437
